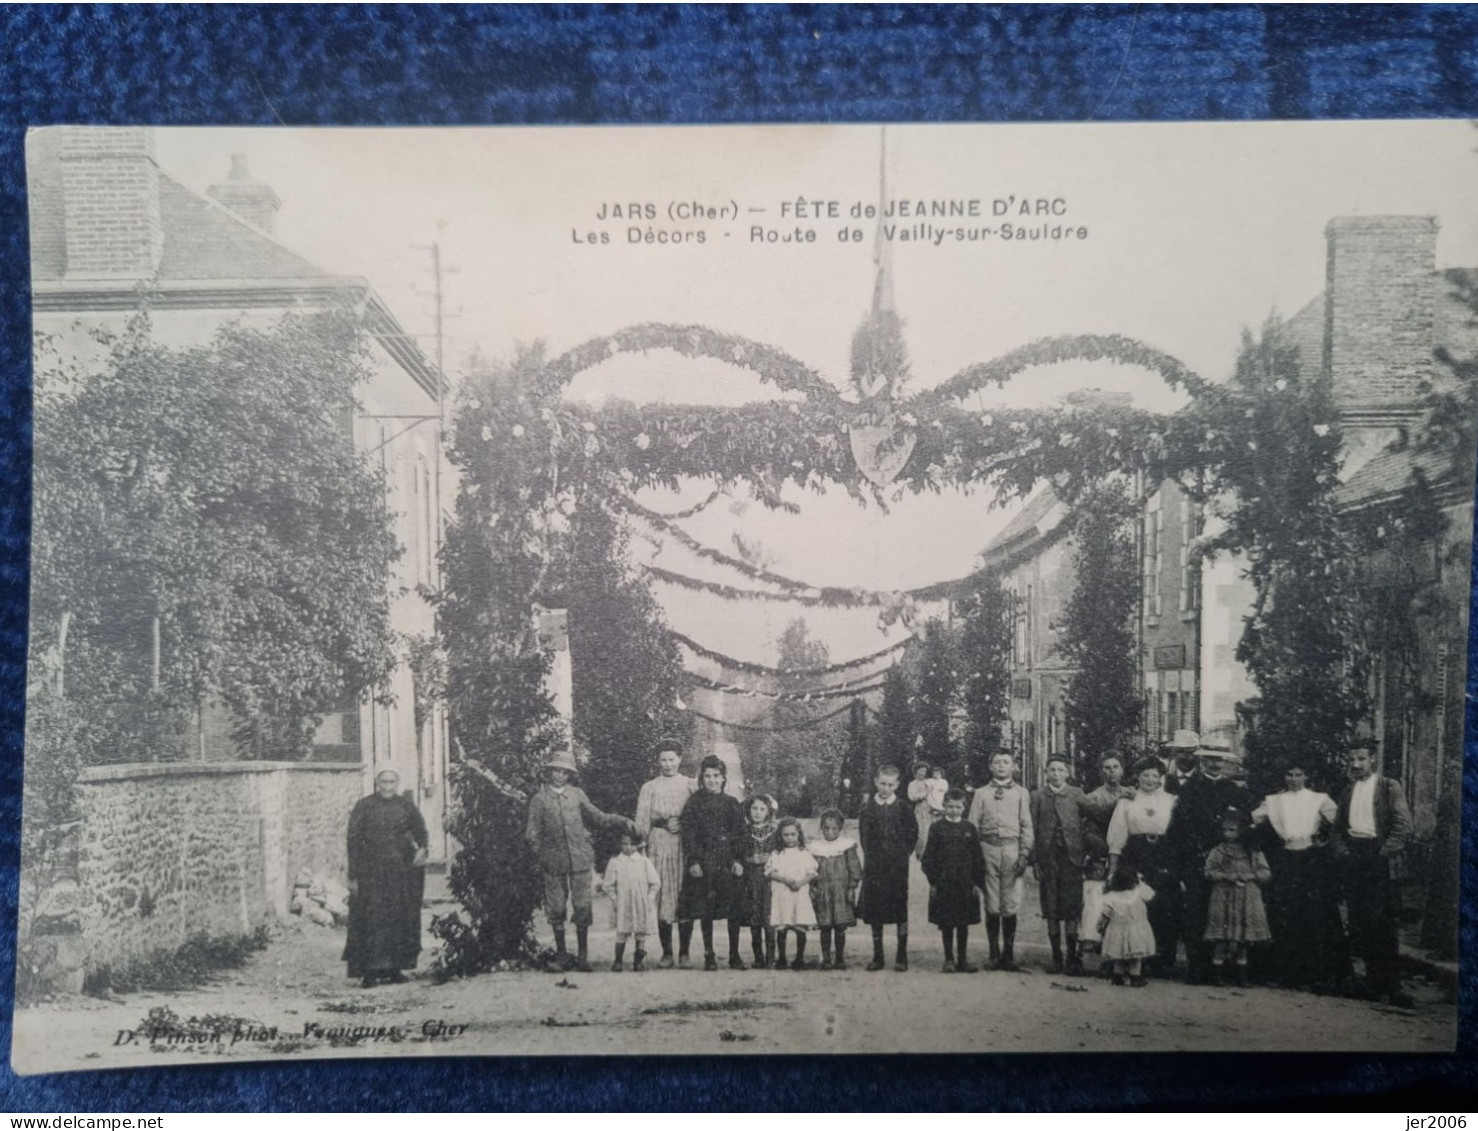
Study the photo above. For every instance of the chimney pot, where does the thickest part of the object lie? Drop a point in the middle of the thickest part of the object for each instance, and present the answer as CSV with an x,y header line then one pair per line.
x,y
246,196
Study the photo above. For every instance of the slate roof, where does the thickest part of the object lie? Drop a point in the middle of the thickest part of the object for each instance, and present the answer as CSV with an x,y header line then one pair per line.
x,y
1027,522
1389,473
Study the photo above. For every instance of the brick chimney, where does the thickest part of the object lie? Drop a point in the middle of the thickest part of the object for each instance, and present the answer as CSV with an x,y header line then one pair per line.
x,y
246,196
1379,309
110,193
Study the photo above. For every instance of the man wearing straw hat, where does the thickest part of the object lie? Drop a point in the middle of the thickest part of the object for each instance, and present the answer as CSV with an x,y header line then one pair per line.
x,y
560,817
1179,756
1195,829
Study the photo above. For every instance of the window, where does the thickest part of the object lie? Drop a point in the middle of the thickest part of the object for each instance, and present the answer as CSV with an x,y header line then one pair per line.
x,y
1152,531
1190,572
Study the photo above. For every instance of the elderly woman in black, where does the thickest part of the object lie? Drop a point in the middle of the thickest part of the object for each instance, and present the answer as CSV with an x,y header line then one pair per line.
x,y
715,838
387,858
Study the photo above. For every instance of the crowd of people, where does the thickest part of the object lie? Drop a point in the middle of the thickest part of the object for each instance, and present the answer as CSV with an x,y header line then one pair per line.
x,y
1176,855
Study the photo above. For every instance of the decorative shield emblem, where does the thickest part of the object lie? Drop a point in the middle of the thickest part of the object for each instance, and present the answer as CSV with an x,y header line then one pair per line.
x,y
881,450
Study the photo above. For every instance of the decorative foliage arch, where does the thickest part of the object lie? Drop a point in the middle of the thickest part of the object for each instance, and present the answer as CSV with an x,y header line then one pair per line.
x,y
534,461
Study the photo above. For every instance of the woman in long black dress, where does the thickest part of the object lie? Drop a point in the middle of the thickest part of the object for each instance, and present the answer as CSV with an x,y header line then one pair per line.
x,y
387,856
1309,946
715,838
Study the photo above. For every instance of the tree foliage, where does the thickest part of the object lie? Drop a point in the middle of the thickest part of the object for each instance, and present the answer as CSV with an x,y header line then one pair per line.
x,y
210,498
528,531
1101,707
627,670
799,767
1272,474
496,555
896,730
985,667
935,699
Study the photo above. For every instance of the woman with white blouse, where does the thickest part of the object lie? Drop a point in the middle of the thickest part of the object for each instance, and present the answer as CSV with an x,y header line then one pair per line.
x,y
1136,837
1303,900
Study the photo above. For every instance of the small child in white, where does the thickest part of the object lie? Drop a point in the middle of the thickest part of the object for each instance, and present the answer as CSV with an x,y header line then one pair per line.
x,y
1125,926
632,883
791,870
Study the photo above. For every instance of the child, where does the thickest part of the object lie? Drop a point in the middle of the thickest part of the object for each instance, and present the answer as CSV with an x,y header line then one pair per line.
x,y
1001,811
888,832
1125,926
834,891
559,814
1235,916
632,882
714,836
954,865
762,843
791,869
1060,826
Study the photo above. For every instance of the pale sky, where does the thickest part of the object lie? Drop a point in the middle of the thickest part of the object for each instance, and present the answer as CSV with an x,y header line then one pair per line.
x,y
1195,231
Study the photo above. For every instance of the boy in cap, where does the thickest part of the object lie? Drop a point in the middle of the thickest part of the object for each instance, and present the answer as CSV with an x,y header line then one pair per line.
x,y
559,820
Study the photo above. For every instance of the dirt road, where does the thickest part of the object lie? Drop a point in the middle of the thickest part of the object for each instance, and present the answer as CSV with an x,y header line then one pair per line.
x,y
293,1000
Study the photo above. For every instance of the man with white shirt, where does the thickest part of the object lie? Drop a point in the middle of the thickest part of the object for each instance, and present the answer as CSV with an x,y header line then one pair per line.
x,y
1372,828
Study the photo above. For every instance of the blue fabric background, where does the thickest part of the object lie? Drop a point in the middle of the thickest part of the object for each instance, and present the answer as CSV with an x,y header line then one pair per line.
x,y
442,65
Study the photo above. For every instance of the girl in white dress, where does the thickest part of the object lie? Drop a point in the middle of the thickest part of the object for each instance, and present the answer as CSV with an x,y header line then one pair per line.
x,y
791,869
1125,926
632,882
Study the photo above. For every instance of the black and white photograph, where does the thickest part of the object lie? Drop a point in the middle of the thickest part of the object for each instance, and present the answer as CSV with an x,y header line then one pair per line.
x,y
746,590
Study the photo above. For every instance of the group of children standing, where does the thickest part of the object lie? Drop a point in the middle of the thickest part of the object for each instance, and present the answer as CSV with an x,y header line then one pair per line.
x,y
784,887
748,866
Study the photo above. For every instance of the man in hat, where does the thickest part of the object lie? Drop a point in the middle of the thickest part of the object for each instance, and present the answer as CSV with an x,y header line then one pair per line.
x,y
1371,830
560,817
1195,829
1179,757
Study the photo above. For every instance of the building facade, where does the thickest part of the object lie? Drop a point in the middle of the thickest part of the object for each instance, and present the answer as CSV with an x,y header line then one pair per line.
x,y
112,233
1375,332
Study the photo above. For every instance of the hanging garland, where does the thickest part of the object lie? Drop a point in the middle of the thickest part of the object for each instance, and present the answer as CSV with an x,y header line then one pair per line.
x,y
769,363
839,598
1114,348
761,669
804,725
782,696
696,508
824,598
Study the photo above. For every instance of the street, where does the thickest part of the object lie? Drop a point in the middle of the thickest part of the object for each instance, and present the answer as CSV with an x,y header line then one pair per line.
x,y
294,1000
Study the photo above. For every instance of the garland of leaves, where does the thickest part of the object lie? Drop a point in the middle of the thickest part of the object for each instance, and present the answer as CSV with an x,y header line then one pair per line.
x,y
830,598
768,362
835,597
762,669
1052,351
696,508
804,725
672,530
782,696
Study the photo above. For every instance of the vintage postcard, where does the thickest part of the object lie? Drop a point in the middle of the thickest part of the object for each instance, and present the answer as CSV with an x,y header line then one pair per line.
x,y
746,590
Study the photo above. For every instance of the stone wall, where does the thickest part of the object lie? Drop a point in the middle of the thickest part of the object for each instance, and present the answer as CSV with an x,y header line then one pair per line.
x,y
174,850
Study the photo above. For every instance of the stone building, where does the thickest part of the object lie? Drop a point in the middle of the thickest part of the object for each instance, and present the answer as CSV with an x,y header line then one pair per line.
x,y
1037,589
111,231
1376,331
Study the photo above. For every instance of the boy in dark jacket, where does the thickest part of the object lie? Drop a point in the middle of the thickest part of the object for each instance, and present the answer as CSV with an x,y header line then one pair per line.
x,y
954,865
889,833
